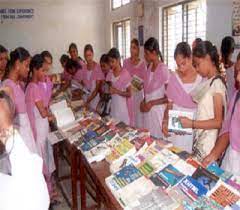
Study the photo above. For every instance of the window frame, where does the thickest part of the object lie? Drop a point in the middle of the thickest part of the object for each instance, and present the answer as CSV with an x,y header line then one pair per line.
x,y
119,6
114,34
184,28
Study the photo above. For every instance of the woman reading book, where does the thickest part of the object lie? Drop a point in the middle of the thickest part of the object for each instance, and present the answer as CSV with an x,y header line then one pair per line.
x,y
157,76
39,115
92,78
229,138
137,69
120,88
210,97
180,84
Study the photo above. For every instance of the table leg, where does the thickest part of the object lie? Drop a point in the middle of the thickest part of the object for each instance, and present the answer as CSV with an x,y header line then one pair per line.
x,y
74,175
82,184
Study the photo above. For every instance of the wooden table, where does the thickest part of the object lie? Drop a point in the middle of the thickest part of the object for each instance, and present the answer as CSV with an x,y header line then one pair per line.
x,y
91,177
98,172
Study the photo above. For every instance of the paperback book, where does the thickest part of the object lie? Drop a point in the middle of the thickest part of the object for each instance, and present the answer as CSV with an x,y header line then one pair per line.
x,y
174,123
205,178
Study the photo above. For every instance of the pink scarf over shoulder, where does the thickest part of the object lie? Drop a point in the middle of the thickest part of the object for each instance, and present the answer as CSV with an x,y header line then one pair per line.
x,y
176,93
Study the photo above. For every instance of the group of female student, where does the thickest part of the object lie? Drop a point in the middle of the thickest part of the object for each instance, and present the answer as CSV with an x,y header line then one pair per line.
x,y
197,86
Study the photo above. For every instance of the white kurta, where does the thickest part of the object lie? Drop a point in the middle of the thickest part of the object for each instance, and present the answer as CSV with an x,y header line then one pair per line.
x,y
153,118
23,124
25,188
231,161
185,142
119,108
205,139
42,130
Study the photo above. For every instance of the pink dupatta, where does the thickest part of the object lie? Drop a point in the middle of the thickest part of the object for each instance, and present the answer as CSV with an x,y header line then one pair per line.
x,y
122,83
33,94
138,70
160,78
176,93
231,123
96,75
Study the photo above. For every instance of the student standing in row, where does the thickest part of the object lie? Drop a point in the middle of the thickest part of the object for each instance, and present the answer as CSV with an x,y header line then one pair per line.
x,y
91,77
120,88
39,115
180,84
3,62
227,50
18,67
157,77
229,138
211,99
137,68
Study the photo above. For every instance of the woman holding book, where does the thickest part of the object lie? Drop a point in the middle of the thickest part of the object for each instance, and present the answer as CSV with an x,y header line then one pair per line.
x,y
120,88
92,77
39,115
180,84
137,69
103,107
210,97
155,84
72,76
229,138
18,67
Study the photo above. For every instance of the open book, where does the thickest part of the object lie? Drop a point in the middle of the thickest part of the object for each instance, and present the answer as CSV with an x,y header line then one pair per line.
x,y
63,114
174,124
137,83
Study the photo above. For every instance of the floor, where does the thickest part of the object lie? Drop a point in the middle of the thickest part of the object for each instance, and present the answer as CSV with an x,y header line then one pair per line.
x,y
64,169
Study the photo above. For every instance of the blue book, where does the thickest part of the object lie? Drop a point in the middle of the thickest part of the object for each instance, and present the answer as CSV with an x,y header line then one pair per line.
x,y
127,175
205,178
215,169
90,135
171,175
192,188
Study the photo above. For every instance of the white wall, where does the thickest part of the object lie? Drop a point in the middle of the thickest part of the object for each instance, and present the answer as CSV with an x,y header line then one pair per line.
x,y
55,25
219,14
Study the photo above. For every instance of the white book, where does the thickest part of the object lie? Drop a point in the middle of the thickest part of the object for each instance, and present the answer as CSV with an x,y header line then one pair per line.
x,y
174,124
63,114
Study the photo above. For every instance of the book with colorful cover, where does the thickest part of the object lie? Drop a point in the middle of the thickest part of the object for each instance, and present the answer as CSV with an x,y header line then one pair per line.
x,y
123,177
182,154
92,143
174,124
184,167
120,150
109,135
205,178
169,176
224,194
102,130
146,169
193,162
137,83
202,202
90,135
215,169
98,153
192,188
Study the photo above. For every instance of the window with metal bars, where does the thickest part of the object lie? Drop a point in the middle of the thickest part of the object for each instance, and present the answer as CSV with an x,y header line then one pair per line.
x,y
184,21
121,37
118,3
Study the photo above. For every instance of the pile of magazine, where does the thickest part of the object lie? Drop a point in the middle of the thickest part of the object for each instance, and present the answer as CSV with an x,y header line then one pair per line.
x,y
147,173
